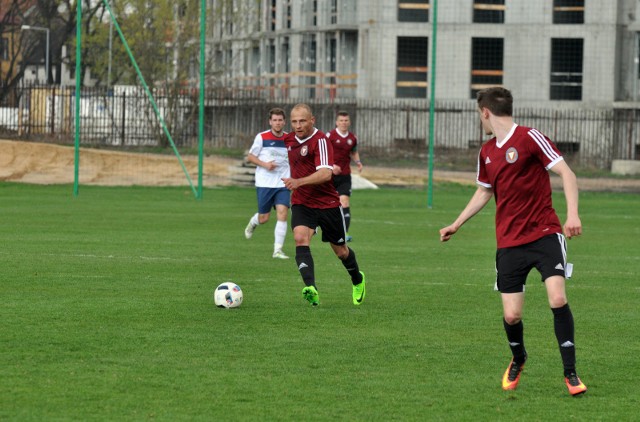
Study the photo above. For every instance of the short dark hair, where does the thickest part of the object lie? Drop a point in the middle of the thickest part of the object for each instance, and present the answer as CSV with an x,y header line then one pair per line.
x,y
277,111
343,113
497,99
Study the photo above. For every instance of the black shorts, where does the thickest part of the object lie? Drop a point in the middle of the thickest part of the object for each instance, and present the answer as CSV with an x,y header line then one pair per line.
x,y
548,255
330,221
342,182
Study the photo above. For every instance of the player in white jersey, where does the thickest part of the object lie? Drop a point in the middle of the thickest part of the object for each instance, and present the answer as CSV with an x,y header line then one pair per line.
x,y
269,154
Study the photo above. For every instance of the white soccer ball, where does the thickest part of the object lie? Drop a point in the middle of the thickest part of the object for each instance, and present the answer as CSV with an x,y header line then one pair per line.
x,y
228,295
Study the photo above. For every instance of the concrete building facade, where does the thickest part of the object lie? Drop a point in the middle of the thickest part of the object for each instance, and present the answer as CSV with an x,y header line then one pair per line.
x,y
548,52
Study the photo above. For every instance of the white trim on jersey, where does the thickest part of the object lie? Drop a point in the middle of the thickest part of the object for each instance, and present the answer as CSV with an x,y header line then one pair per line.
x,y
554,162
506,138
486,185
544,145
324,153
301,141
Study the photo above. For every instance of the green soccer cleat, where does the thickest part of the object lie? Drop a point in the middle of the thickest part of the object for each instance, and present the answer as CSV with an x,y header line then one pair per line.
x,y
311,295
359,291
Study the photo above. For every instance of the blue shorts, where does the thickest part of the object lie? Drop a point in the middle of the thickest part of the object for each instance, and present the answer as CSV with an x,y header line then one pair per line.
x,y
268,198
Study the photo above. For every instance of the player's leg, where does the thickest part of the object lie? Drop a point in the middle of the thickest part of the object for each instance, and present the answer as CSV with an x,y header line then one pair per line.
x,y
282,201
346,208
265,203
565,332
512,270
552,266
304,222
343,186
333,231
512,304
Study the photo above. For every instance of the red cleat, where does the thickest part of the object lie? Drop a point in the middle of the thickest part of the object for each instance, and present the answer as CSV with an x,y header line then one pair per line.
x,y
574,384
512,375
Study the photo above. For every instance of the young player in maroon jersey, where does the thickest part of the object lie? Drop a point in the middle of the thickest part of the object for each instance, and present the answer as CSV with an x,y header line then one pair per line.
x,y
513,168
315,203
345,149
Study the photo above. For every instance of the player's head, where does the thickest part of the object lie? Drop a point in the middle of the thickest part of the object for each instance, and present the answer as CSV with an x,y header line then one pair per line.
x,y
302,120
343,121
497,100
276,120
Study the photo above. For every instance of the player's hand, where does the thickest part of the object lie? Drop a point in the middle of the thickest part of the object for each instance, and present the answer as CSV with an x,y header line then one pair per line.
x,y
359,164
270,165
446,233
336,170
572,227
290,183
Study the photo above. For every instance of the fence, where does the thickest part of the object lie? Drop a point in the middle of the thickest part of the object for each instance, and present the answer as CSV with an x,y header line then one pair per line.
x,y
390,128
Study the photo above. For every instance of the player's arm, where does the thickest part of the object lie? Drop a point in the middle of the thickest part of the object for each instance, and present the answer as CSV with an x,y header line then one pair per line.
x,y
476,203
355,156
321,175
269,165
573,226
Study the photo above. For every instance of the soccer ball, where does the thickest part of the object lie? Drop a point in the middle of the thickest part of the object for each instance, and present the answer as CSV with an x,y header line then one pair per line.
x,y
228,295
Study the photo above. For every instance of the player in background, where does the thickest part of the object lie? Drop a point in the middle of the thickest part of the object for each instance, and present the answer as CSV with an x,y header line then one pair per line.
x,y
513,168
345,149
315,203
269,154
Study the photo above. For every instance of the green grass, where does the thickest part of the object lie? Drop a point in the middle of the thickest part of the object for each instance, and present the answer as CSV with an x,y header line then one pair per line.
x,y
107,313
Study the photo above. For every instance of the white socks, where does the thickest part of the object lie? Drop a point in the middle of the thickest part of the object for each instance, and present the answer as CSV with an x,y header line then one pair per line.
x,y
254,220
280,232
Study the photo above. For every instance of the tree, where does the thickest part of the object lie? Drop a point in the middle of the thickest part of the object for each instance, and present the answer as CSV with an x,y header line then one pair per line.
x,y
14,46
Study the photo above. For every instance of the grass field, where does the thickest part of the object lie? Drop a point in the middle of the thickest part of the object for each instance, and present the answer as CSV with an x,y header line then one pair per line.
x,y
107,313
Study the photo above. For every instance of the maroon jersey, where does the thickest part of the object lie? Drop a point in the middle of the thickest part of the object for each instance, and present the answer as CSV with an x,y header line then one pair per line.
x,y
343,146
517,171
306,156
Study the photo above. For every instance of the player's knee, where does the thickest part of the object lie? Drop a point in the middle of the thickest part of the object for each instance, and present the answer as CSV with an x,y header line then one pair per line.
x,y
263,218
342,252
512,318
557,300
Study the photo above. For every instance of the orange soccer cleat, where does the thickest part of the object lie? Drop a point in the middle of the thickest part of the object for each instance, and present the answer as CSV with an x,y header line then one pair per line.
x,y
512,375
574,384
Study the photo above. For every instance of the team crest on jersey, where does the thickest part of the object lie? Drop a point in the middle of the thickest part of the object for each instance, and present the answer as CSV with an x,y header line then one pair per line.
x,y
349,141
304,150
511,155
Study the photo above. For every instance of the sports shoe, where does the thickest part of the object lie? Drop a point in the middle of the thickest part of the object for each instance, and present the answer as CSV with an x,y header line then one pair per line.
x,y
311,294
359,291
348,238
279,254
512,375
574,384
248,231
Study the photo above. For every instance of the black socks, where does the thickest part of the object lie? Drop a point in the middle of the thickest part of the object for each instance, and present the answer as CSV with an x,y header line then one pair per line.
x,y
352,267
305,265
563,326
515,335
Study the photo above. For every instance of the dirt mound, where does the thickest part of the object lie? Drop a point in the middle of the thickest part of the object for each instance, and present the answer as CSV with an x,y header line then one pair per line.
x,y
53,164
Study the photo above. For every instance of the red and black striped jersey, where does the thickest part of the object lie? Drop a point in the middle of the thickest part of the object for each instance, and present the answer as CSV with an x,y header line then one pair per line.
x,y
306,156
517,171
343,146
